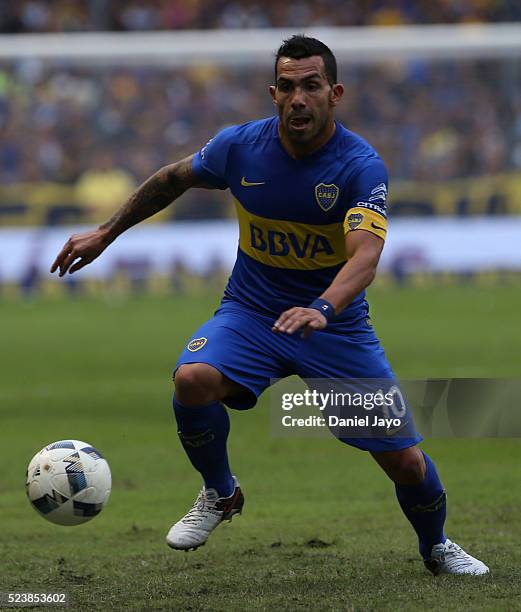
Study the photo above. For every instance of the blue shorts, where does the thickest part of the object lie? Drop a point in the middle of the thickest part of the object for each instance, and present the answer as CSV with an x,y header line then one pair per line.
x,y
239,342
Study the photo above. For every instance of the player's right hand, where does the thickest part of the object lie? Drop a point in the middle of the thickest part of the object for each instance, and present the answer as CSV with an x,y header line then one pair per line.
x,y
83,247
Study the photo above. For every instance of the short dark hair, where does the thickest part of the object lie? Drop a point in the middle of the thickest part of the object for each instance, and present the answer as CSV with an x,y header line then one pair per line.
x,y
300,47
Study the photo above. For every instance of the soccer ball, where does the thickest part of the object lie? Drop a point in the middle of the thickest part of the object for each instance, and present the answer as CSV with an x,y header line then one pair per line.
x,y
68,482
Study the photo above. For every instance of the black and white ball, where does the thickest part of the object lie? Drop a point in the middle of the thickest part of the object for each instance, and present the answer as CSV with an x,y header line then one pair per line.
x,y
68,482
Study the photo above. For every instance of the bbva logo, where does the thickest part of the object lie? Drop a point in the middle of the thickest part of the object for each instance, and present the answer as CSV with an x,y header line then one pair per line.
x,y
282,244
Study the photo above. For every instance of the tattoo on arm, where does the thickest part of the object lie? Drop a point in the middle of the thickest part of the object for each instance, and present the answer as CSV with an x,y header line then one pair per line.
x,y
155,194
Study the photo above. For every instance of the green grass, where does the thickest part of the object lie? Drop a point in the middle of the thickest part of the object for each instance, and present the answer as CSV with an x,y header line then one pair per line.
x,y
321,529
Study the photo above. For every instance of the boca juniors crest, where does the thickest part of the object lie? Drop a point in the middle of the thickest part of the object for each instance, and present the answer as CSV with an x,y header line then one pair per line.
x,y
326,196
196,344
354,220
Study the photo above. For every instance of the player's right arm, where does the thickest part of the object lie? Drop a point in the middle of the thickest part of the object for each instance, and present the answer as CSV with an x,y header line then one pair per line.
x,y
155,194
207,168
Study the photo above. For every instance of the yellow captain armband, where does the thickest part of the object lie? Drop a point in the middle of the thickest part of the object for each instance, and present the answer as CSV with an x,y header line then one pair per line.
x,y
365,219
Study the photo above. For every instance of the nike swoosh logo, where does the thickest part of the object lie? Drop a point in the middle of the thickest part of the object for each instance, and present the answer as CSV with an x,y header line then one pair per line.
x,y
395,430
246,183
377,227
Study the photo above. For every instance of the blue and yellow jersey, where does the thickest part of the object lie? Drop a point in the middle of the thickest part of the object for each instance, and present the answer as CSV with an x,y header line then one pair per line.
x,y
293,214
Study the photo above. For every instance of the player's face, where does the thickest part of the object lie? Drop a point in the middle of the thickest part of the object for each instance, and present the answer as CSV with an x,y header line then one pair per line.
x,y
304,98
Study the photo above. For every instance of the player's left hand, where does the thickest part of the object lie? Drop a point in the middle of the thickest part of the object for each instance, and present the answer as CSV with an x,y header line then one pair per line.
x,y
307,319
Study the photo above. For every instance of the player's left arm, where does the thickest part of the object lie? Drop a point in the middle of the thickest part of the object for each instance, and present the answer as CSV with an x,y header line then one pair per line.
x,y
363,250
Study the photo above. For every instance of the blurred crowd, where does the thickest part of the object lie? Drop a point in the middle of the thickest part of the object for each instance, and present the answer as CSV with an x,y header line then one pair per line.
x,y
103,130
117,15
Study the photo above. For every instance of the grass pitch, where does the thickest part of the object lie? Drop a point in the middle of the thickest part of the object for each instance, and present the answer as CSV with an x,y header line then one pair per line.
x,y
321,529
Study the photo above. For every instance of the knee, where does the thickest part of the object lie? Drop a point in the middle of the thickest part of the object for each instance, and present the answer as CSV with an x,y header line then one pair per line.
x,y
196,384
411,470
405,467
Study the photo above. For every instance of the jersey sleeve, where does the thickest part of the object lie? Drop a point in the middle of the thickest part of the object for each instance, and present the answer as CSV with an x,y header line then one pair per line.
x,y
367,197
210,162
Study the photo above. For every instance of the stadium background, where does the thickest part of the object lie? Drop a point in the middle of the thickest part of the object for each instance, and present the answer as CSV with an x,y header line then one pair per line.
x,y
89,356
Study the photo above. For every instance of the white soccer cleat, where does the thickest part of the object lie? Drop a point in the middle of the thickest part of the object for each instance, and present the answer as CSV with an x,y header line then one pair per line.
x,y
449,558
207,512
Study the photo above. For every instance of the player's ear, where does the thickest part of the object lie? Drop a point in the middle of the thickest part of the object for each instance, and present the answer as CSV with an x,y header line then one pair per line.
x,y
337,91
273,91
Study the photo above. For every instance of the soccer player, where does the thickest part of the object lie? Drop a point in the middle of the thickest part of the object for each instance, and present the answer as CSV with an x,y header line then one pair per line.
x,y
310,198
